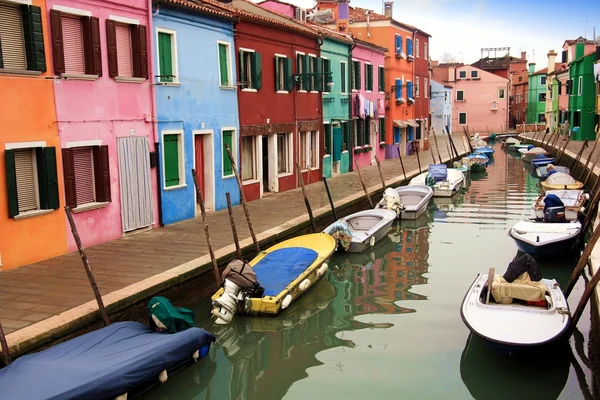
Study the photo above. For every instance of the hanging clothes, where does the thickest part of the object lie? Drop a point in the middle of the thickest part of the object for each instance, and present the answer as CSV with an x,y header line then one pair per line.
x,y
381,107
356,108
361,107
597,72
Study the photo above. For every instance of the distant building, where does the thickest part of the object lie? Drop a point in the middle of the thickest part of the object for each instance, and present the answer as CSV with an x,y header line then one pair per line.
x,y
440,107
518,103
582,90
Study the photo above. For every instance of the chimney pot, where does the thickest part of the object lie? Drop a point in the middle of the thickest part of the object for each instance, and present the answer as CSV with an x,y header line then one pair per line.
x,y
523,55
388,8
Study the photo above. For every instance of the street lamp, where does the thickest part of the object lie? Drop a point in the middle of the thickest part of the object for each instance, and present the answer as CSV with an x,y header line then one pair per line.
x,y
299,78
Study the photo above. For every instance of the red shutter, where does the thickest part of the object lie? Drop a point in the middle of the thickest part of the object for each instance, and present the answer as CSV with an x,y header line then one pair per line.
x,y
124,51
111,42
91,41
102,173
84,175
58,54
69,174
72,33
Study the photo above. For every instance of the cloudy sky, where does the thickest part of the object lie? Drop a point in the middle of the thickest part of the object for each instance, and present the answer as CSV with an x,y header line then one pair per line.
x,y
463,27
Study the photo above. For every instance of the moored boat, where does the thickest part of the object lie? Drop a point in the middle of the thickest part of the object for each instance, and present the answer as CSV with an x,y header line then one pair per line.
x,y
541,161
534,152
572,201
560,180
542,172
510,141
445,181
361,230
545,239
413,200
476,162
487,150
516,147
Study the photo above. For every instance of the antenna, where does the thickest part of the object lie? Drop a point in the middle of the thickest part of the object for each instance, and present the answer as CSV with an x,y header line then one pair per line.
x,y
533,56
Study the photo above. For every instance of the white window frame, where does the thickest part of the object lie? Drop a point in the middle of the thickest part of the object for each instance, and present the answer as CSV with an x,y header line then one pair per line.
x,y
425,87
476,74
290,154
417,48
425,51
312,58
229,68
417,91
543,77
307,151
503,93
234,150
580,86
365,64
250,89
345,76
181,158
282,72
462,77
300,90
254,179
465,123
174,60
463,95
353,74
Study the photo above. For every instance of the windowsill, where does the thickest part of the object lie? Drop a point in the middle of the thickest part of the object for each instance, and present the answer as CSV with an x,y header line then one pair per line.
x,y
80,77
90,206
315,91
30,214
285,174
367,91
168,188
302,91
354,90
173,84
250,182
129,79
249,90
228,87
19,72
382,92
228,176
344,94
282,92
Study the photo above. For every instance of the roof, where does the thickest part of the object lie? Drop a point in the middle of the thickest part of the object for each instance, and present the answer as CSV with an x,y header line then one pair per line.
x,y
369,44
331,33
358,14
545,70
278,1
586,41
202,7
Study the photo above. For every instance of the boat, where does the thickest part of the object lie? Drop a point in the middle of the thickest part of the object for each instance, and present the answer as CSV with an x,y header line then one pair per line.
x,y
117,361
510,141
413,198
545,239
542,173
516,147
534,152
359,231
273,279
487,150
476,162
445,181
572,201
560,180
541,161
512,311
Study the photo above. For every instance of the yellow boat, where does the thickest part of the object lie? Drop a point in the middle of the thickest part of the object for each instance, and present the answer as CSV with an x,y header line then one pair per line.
x,y
561,181
276,277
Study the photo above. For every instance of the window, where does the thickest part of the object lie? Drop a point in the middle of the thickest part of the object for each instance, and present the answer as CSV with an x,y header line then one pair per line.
x,y
359,132
127,50
355,75
409,89
345,136
250,69
564,56
31,180
367,133
425,51
76,44
304,146
462,74
343,77
597,88
425,88
368,77
224,64
283,73
580,86
21,38
409,47
313,152
460,95
576,118
398,88
474,74
173,159
541,117
87,175
549,95
312,68
301,68
417,90
327,130
417,48
542,97
167,56
283,153
542,80
248,158
323,81
398,43
462,118
382,130
501,94
569,87
559,84
381,79
229,141
397,135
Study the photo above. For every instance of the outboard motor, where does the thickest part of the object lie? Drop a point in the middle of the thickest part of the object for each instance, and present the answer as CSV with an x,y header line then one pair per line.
x,y
393,202
554,209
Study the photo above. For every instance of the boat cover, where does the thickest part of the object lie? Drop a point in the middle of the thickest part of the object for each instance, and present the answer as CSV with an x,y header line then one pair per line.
x,y
552,200
243,275
569,198
522,288
560,178
537,151
164,316
525,263
341,233
439,172
102,364
280,267
542,171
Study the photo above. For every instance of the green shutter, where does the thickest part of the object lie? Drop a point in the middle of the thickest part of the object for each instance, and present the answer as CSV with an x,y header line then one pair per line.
x,y
342,78
223,66
47,178
327,139
370,69
277,72
357,66
381,82
1,59
165,57
305,70
382,129
319,67
171,148
242,75
367,131
227,140
289,80
34,38
328,77
11,183
256,69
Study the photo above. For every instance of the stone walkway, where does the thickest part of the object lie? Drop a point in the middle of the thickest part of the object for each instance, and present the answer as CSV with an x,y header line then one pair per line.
x,y
57,286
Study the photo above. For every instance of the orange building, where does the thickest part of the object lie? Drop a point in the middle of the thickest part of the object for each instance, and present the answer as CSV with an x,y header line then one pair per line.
x,y
32,226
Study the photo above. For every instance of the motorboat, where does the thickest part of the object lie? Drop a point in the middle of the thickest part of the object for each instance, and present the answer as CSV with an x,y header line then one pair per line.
x,y
545,239
413,200
540,161
445,181
561,180
542,172
510,141
570,202
359,231
487,150
476,162
533,152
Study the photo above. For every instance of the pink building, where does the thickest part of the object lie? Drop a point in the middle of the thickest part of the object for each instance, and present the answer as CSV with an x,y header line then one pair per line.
x,y
279,7
368,109
104,107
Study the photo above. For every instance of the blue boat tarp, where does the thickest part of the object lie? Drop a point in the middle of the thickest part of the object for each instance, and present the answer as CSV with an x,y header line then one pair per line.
x,y
280,267
438,171
538,162
102,364
484,150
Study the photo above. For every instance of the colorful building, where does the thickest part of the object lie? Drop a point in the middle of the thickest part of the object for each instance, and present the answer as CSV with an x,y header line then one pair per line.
x,y
31,188
193,131
582,90
440,106
422,86
557,102
518,105
536,98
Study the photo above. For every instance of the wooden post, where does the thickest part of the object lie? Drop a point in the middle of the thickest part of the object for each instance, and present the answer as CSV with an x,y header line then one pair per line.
x,y
242,197
200,201
310,214
595,193
380,172
238,250
418,160
437,147
591,170
453,146
330,199
589,157
401,163
447,143
578,157
491,273
587,251
587,293
468,139
87,266
4,344
363,184
564,148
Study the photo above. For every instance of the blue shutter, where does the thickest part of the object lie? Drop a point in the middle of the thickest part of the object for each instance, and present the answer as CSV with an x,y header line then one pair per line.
x,y
409,47
410,90
396,135
398,89
398,44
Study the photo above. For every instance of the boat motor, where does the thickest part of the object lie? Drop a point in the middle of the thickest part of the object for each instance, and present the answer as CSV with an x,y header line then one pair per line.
x,y
554,209
393,202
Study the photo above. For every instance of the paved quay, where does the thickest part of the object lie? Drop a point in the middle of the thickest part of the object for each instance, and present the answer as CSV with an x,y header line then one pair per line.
x,y
42,302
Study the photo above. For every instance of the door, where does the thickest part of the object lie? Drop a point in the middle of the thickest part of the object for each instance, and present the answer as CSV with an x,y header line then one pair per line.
x,y
265,163
199,166
134,182
337,142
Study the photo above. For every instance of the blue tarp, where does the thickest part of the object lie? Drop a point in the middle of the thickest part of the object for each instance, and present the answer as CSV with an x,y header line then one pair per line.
x,y
552,200
438,171
102,364
280,267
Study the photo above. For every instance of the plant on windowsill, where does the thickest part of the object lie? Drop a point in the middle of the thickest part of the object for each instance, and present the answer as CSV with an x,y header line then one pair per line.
x,y
400,100
410,57
401,55
358,150
382,145
411,101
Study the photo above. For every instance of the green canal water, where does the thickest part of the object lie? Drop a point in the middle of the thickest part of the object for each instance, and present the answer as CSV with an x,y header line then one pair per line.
x,y
387,323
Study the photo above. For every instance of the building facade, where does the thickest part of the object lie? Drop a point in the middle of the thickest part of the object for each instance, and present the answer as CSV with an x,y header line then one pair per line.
x,y
536,102
440,106
422,84
193,130
520,96
582,90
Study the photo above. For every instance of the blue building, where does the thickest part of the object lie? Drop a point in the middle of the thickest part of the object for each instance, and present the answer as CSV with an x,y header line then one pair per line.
x,y
196,106
440,107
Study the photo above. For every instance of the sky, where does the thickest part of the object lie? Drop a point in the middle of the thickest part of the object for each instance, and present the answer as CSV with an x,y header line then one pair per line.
x,y
463,27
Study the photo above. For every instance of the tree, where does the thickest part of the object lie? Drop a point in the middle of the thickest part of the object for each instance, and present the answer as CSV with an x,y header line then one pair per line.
x,y
448,58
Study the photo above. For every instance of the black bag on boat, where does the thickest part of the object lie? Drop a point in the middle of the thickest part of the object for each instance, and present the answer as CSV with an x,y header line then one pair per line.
x,y
242,274
525,263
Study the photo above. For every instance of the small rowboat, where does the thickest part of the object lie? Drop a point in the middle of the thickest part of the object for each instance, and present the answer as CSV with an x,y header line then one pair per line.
x,y
516,147
487,150
541,162
365,228
510,141
477,162
573,200
447,184
413,200
545,239
528,155
559,180
542,173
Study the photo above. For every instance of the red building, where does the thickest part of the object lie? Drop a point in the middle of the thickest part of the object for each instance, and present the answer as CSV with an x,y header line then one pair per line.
x,y
423,92
280,112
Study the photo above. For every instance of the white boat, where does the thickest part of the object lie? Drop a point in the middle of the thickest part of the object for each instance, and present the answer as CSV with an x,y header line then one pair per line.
x,y
413,200
528,155
573,200
365,228
453,182
515,323
545,239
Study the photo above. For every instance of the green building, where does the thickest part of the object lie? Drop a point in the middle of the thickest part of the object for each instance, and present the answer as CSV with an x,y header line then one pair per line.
x,y
536,95
582,89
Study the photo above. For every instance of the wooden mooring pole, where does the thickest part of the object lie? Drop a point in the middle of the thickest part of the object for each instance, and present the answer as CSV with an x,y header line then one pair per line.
x,y
418,160
401,163
587,293
589,157
453,147
238,250
578,157
306,202
330,199
437,147
4,344
591,169
468,139
200,201
242,197
362,182
380,172
87,266
587,251
564,148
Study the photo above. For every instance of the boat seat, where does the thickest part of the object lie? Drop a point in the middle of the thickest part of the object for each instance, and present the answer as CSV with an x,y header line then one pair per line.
x,y
522,288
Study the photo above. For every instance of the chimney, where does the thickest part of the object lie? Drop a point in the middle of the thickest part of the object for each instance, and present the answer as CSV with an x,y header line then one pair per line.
x,y
387,8
451,73
551,61
531,68
524,55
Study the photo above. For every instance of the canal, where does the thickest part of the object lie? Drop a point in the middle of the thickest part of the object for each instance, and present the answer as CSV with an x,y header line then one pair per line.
x,y
387,323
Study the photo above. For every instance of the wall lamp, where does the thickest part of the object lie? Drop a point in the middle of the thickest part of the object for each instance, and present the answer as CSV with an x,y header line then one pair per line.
x,y
299,78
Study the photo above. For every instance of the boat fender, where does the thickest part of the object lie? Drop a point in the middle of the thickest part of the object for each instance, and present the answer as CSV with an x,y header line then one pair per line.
x,y
121,397
162,377
372,241
322,269
286,322
586,196
287,300
196,355
305,284
581,210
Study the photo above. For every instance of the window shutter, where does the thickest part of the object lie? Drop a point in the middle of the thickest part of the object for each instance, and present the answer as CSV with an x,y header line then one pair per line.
x,y
277,74
142,42
1,60
11,32
319,67
124,50
410,90
367,135
69,175
11,183
84,175
398,45
358,86
227,140
289,80
370,77
171,146
327,78
223,67
34,38
398,89
101,173
111,42
58,49
256,70
409,47
382,129
361,132
242,63
381,79
26,190
50,174
91,45
74,44
366,77
305,70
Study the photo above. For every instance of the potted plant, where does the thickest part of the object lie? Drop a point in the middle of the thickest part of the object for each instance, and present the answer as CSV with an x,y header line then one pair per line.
x,y
411,100
400,100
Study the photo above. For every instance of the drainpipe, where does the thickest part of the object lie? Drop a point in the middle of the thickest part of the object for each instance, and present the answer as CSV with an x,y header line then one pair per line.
x,y
154,120
414,40
349,90
320,42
